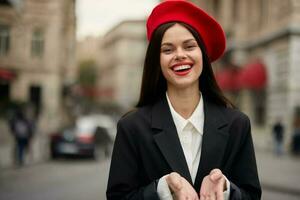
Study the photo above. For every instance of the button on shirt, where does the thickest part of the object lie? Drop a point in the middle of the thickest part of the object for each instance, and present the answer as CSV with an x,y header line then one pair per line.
x,y
190,132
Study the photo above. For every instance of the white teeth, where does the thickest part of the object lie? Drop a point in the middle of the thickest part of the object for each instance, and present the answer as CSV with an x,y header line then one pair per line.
x,y
181,67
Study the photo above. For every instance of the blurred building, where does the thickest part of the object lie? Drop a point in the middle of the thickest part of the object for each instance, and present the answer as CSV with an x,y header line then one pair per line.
x,y
124,48
37,57
89,48
262,58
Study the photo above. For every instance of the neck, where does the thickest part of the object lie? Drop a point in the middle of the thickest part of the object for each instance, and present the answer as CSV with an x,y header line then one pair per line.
x,y
184,101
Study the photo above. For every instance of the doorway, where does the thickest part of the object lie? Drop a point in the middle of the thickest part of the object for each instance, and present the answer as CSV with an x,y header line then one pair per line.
x,y
35,99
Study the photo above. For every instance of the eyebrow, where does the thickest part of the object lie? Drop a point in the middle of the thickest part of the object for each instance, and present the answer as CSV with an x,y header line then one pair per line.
x,y
184,42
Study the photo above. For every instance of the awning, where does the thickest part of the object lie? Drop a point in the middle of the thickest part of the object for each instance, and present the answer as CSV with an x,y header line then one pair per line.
x,y
227,79
253,76
7,75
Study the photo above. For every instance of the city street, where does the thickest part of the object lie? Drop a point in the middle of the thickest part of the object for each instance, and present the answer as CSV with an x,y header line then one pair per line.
x,y
279,176
59,180
78,179
70,69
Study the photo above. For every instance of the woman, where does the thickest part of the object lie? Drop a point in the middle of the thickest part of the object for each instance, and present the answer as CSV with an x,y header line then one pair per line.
x,y
185,140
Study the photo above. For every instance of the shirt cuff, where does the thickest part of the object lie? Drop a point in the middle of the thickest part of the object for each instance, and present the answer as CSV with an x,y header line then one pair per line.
x,y
163,189
226,193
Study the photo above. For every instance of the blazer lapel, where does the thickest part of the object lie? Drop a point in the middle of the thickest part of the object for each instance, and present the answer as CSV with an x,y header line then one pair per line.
x,y
213,142
167,139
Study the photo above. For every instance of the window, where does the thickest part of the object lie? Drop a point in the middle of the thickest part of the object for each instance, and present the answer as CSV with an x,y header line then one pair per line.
x,y
4,40
37,43
35,99
259,103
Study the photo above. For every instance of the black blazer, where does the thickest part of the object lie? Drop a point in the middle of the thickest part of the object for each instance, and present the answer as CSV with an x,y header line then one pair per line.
x,y
147,147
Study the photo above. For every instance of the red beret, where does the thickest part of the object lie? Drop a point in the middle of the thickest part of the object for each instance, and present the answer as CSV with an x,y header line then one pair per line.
x,y
209,29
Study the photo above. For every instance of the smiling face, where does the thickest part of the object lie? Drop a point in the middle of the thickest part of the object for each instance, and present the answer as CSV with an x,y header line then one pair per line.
x,y
180,58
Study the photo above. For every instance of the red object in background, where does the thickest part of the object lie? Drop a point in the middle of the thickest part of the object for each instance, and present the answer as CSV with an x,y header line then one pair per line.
x,y
227,79
253,76
7,74
86,138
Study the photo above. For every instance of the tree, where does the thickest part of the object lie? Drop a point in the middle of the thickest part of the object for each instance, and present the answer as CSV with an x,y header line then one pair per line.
x,y
87,75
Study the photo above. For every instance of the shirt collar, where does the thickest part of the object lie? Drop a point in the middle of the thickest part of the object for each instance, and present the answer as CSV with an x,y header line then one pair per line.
x,y
196,119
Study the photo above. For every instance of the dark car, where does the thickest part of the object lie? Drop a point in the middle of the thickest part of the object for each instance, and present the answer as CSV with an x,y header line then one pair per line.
x,y
91,136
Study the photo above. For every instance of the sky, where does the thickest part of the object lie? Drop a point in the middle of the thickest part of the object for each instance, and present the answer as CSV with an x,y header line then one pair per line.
x,y
96,17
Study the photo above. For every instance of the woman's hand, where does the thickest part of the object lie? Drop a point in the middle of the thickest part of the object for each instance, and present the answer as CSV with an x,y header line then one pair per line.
x,y
181,189
213,186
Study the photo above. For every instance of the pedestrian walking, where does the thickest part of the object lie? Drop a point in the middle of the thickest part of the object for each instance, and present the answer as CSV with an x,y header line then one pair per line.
x,y
22,129
103,141
278,135
184,140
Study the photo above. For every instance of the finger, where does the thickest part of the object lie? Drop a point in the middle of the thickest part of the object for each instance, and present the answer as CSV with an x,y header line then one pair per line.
x,y
210,197
202,197
175,185
174,181
204,185
193,193
213,196
216,170
219,196
215,175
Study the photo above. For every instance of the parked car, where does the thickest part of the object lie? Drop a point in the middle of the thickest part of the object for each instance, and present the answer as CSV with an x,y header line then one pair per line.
x,y
90,136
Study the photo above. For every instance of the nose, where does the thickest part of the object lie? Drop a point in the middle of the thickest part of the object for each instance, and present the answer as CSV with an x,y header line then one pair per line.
x,y
180,54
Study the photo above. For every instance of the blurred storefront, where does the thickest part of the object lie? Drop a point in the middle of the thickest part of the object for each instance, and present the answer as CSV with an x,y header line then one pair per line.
x,y
37,57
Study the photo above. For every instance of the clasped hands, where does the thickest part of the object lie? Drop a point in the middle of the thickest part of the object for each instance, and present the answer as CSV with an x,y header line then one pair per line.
x,y
212,187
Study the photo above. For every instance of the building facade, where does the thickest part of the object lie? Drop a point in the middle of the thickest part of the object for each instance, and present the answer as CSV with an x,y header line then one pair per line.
x,y
37,55
124,48
268,31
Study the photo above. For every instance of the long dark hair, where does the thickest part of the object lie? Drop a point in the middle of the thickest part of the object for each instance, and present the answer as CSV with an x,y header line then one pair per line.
x,y
154,84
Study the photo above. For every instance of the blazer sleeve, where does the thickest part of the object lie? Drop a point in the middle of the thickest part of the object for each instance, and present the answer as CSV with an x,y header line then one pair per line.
x,y
125,176
244,179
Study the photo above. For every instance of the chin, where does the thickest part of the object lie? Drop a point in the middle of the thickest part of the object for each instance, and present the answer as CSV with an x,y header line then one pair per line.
x,y
185,84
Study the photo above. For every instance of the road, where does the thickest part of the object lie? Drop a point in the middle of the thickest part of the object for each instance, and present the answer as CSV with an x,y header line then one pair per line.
x,y
56,180
76,179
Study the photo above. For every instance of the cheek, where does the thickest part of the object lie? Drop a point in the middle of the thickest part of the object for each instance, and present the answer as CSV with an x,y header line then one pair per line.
x,y
163,60
199,65
164,71
164,63
199,69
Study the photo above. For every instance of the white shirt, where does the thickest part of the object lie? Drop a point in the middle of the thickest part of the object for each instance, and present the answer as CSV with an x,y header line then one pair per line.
x,y
190,132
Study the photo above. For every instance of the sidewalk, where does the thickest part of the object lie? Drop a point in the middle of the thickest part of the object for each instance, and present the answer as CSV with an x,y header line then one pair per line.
x,y
278,173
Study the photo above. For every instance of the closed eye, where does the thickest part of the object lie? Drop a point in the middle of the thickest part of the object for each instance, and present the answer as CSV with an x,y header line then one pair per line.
x,y
191,47
166,50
